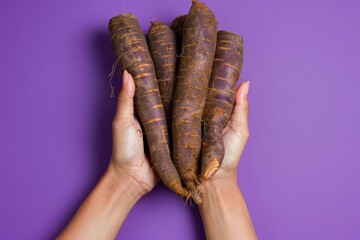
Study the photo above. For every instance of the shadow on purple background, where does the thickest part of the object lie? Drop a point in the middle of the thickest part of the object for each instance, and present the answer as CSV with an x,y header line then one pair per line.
x,y
299,173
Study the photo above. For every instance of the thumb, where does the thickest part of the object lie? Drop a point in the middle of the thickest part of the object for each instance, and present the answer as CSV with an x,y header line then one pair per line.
x,y
125,104
239,116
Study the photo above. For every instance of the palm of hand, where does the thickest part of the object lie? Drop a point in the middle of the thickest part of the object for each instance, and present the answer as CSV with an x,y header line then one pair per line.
x,y
234,143
128,153
235,135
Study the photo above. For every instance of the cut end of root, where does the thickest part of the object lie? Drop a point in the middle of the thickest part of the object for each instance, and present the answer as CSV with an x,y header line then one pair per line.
x,y
210,170
154,23
199,4
120,17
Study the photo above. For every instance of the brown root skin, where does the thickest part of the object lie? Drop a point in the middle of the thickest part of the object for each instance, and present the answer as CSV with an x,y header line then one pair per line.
x,y
162,45
220,99
177,26
133,55
198,44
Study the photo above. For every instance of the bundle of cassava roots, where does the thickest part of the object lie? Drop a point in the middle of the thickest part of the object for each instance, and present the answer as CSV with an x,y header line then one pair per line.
x,y
185,79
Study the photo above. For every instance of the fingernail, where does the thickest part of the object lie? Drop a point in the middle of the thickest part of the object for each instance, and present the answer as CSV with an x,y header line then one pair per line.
x,y
247,87
245,91
125,77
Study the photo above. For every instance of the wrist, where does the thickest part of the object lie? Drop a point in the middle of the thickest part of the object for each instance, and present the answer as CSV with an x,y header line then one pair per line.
x,y
223,210
216,190
219,185
119,181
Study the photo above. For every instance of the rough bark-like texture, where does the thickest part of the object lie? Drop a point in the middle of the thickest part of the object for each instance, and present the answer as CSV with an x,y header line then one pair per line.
x,y
177,25
198,43
162,45
133,55
220,99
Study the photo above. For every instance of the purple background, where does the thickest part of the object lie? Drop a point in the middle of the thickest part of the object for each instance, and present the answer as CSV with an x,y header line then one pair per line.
x,y
299,173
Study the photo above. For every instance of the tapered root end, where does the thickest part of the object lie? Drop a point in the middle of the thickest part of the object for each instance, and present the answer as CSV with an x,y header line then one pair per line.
x,y
192,183
210,170
180,190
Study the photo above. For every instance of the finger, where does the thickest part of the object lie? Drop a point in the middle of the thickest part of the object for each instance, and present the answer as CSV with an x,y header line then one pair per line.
x,y
239,116
125,104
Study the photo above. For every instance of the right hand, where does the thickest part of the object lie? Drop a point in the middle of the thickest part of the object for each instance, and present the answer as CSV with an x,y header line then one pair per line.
x,y
223,208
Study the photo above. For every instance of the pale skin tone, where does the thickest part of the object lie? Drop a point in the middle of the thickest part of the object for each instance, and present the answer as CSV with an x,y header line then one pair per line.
x,y
129,177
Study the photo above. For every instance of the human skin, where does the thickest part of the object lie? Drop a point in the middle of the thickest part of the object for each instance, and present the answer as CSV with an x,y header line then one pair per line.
x,y
223,209
129,176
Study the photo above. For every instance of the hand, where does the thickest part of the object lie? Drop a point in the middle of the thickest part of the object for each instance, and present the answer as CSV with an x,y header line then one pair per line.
x,y
128,156
223,209
235,135
128,177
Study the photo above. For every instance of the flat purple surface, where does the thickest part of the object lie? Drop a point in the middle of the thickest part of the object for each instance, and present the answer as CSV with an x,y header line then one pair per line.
x,y
299,173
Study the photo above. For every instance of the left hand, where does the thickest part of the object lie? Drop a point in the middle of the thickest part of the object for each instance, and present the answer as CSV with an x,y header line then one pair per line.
x,y
128,156
235,134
